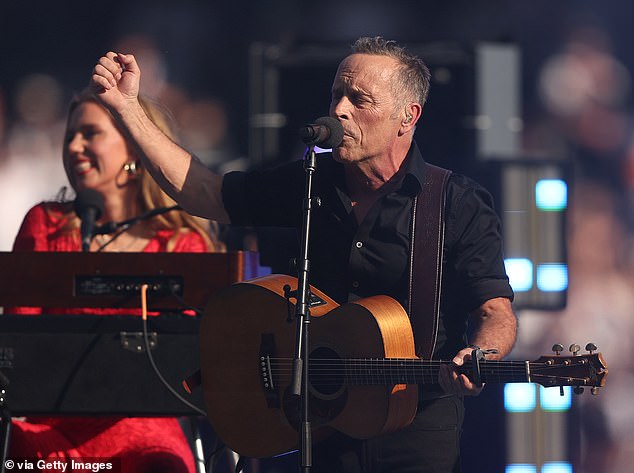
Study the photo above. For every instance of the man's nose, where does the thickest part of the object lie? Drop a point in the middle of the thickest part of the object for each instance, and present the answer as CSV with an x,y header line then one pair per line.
x,y
341,108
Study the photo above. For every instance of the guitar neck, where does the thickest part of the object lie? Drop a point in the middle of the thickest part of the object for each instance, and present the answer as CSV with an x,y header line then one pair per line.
x,y
375,371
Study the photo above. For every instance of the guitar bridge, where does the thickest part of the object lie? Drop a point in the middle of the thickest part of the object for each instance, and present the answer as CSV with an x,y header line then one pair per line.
x,y
267,351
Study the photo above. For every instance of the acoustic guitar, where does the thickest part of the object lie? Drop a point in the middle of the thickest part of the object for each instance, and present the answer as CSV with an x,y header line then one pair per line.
x,y
364,374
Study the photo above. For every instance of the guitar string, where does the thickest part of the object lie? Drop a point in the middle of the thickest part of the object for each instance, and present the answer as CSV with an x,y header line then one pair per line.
x,y
415,363
406,379
408,363
407,369
327,364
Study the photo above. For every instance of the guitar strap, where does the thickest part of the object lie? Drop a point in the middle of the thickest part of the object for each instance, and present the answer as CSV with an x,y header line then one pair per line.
x,y
426,256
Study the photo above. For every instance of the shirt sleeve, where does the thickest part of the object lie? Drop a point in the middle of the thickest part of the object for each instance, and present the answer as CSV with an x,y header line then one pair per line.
x,y
44,228
31,237
32,233
271,197
475,243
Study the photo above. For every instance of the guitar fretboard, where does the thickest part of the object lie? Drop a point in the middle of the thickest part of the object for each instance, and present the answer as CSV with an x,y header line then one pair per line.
x,y
412,371
386,371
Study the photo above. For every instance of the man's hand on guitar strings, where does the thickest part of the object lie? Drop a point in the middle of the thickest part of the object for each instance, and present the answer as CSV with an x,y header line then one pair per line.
x,y
453,382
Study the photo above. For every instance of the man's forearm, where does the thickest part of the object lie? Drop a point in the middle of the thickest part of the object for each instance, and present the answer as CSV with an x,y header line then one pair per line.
x,y
181,176
496,326
115,81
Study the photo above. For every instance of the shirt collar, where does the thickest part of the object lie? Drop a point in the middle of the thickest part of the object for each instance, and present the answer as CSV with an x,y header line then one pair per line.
x,y
414,171
413,179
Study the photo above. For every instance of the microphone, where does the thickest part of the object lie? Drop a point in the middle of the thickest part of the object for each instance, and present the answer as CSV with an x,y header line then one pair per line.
x,y
111,227
89,206
326,132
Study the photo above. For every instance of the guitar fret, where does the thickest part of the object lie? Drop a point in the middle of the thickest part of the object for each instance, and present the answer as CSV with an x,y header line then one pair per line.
x,y
503,371
387,371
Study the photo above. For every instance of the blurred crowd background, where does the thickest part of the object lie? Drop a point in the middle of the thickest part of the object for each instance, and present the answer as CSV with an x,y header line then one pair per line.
x,y
576,100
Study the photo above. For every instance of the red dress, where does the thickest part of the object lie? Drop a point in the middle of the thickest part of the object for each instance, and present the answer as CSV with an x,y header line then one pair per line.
x,y
135,444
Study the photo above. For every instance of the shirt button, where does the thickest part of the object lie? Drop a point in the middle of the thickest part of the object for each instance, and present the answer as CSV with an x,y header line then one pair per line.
x,y
359,244
355,284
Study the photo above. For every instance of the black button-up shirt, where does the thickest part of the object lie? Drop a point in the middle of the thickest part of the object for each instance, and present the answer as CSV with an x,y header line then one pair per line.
x,y
350,260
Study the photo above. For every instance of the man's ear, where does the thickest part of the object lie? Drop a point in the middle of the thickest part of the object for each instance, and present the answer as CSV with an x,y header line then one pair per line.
x,y
412,113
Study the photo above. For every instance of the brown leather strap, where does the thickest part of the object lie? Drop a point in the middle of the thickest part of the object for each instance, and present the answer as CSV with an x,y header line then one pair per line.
x,y
426,255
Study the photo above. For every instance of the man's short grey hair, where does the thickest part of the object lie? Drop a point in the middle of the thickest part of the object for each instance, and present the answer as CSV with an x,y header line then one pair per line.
x,y
412,78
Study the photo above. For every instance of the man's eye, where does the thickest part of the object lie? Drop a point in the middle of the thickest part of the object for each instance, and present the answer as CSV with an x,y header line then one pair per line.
x,y
359,99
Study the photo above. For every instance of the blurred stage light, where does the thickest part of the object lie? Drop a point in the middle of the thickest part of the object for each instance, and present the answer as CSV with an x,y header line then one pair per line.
x,y
557,467
534,209
552,277
520,397
521,468
550,399
520,273
551,195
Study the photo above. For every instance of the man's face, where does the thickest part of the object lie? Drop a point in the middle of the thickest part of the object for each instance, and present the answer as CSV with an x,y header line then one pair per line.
x,y
363,101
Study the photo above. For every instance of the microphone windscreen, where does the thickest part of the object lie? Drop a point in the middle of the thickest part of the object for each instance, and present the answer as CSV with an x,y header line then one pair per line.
x,y
89,199
336,132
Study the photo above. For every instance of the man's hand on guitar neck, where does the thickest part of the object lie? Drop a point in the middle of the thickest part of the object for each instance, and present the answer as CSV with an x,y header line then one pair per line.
x,y
495,325
455,383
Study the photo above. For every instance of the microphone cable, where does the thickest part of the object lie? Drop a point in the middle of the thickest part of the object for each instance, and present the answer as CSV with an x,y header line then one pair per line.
x,y
148,350
122,227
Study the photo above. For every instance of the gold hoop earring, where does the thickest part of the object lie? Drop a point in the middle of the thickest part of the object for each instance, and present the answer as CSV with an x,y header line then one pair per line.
x,y
131,168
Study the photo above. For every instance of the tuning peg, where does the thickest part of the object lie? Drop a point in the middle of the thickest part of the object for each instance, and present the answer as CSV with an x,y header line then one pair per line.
x,y
594,391
578,390
590,347
574,349
558,348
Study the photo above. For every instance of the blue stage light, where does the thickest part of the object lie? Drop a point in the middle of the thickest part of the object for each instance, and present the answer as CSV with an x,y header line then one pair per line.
x,y
557,467
521,468
551,399
552,277
551,195
520,273
520,397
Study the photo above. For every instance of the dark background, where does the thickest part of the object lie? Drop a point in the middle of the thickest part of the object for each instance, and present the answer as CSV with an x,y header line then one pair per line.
x,y
205,44
205,47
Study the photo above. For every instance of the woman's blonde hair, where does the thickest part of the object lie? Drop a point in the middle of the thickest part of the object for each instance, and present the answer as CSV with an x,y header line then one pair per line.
x,y
150,196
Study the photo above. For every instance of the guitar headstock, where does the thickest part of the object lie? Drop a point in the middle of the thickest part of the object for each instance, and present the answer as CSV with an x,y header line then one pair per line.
x,y
575,370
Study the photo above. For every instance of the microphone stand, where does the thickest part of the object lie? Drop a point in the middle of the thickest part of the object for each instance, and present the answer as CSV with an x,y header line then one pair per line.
x,y
299,380
121,227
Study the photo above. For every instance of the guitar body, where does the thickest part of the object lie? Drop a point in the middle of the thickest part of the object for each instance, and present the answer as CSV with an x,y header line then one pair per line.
x,y
246,335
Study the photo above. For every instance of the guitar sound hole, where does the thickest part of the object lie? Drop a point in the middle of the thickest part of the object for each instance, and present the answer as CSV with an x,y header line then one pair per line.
x,y
326,372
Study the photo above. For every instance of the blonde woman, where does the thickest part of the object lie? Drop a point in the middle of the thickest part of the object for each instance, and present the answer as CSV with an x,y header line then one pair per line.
x,y
98,156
